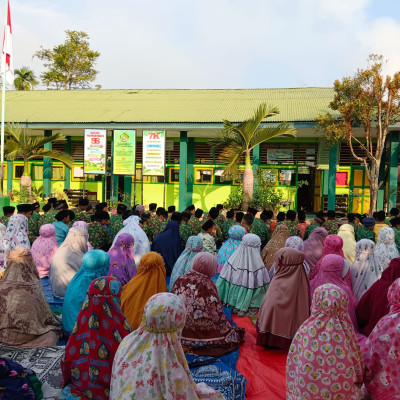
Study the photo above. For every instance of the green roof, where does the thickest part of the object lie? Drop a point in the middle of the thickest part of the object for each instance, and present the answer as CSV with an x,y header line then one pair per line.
x,y
163,105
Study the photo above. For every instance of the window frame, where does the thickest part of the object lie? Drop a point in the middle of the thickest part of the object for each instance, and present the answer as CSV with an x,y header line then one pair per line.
x,y
140,181
19,165
230,182
196,182
73,179
170,175
63,172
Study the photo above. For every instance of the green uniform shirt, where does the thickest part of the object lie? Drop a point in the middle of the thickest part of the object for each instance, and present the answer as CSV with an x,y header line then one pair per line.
x,y
259,228
365,233
195,225
33,226
116,224
99,236
49,217
226,226
331,227
293,228
309,230
185,232
397,237
81,215
220,220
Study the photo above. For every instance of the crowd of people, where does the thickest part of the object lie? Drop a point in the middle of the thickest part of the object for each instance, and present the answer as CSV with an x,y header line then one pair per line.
x,y
142,288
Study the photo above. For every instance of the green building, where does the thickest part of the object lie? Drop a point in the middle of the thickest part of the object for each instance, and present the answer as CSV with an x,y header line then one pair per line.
x,y
312,175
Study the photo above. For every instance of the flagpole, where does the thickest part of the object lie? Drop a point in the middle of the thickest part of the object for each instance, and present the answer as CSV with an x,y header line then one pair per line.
x,y
3,109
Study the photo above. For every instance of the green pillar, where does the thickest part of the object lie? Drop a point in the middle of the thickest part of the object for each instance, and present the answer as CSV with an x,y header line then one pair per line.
x,y
9,176
128,190
182,170
256,161
333,155
47,167
381,191
68,150
190,172
393,169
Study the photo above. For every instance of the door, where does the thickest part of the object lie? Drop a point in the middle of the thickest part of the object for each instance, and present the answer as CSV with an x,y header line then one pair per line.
x,y
305,189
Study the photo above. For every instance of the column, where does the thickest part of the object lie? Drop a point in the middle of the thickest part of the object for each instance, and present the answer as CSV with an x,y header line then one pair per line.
x,y
47,167
183,153
333,155
380,200
190,172
68,150
393,169
128,190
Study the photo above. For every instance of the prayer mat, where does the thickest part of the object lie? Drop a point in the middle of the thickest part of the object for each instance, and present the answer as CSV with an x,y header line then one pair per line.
x,y
264,369
45,362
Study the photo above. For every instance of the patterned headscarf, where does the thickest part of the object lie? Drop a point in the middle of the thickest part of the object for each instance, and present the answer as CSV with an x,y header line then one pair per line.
x,y
382,351
365,271
331,271
150,362
194,246
295,242
385,249
333,244
89,354
324,359
16,235
278,239
149,280
236,233
122,260
44,248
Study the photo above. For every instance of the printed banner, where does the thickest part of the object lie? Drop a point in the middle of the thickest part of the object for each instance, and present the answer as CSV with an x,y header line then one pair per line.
x,y
124,152
154,153
95,151
279,154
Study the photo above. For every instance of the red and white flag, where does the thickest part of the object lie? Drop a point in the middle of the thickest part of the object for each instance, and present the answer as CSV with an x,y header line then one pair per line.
x,y
7,50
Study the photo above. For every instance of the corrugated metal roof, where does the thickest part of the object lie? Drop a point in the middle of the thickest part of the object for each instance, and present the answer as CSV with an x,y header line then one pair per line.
x,y
163,105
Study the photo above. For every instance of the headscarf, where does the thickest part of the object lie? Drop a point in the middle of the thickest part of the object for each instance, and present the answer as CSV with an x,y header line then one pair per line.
x,y
244,279
44,248
169,244
385,249
3,229
26,319
382,351
374,304
314,247
324,359
286,305
333,244
331,271
194,246
365,271
346,232
16,235
86,226
207,331
236,233
160,369
141,244
149,280
122,260
67,260
89,354
278,239
95,264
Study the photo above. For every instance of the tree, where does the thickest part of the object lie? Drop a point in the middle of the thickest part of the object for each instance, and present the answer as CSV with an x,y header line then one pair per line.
x,y
368,100
240,139
71,64
25,79
20,145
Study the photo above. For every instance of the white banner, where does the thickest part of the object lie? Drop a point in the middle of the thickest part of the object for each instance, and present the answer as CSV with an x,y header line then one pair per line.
x,y
95,156
154,153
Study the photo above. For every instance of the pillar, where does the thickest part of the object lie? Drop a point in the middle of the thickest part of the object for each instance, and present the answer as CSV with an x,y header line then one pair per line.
x,y
380,200
183,153
190,172
393,169
68,150
333,155
128,190
47,167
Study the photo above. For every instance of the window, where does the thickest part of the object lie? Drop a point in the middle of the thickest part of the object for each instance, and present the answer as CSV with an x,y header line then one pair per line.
x,y
287,177
4,170
37,172
146,178
157,179
173,175
238,179
57,172
203,176
341,178
77,174
220,179
18,171
269,175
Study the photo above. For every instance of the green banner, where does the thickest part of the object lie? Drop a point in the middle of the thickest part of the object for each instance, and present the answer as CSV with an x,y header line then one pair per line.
x,y
124,152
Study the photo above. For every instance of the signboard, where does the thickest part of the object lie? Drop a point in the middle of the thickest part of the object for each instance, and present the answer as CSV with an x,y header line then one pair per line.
x,y
124,152
323,154
154,153
169,145
279,154
95,151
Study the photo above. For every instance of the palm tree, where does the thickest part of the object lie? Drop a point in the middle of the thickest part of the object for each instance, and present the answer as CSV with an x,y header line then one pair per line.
x,y
25,79
20,144
236,140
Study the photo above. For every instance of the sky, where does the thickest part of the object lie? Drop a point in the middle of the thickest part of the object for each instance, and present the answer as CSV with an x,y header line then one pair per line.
x,y
188,44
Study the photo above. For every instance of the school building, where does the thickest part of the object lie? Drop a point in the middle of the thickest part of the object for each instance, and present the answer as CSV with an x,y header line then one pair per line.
x,y
312,175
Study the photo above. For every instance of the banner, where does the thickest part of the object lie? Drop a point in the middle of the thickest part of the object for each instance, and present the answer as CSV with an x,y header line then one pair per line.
x,y
95,151
153,153
124,152
279,154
